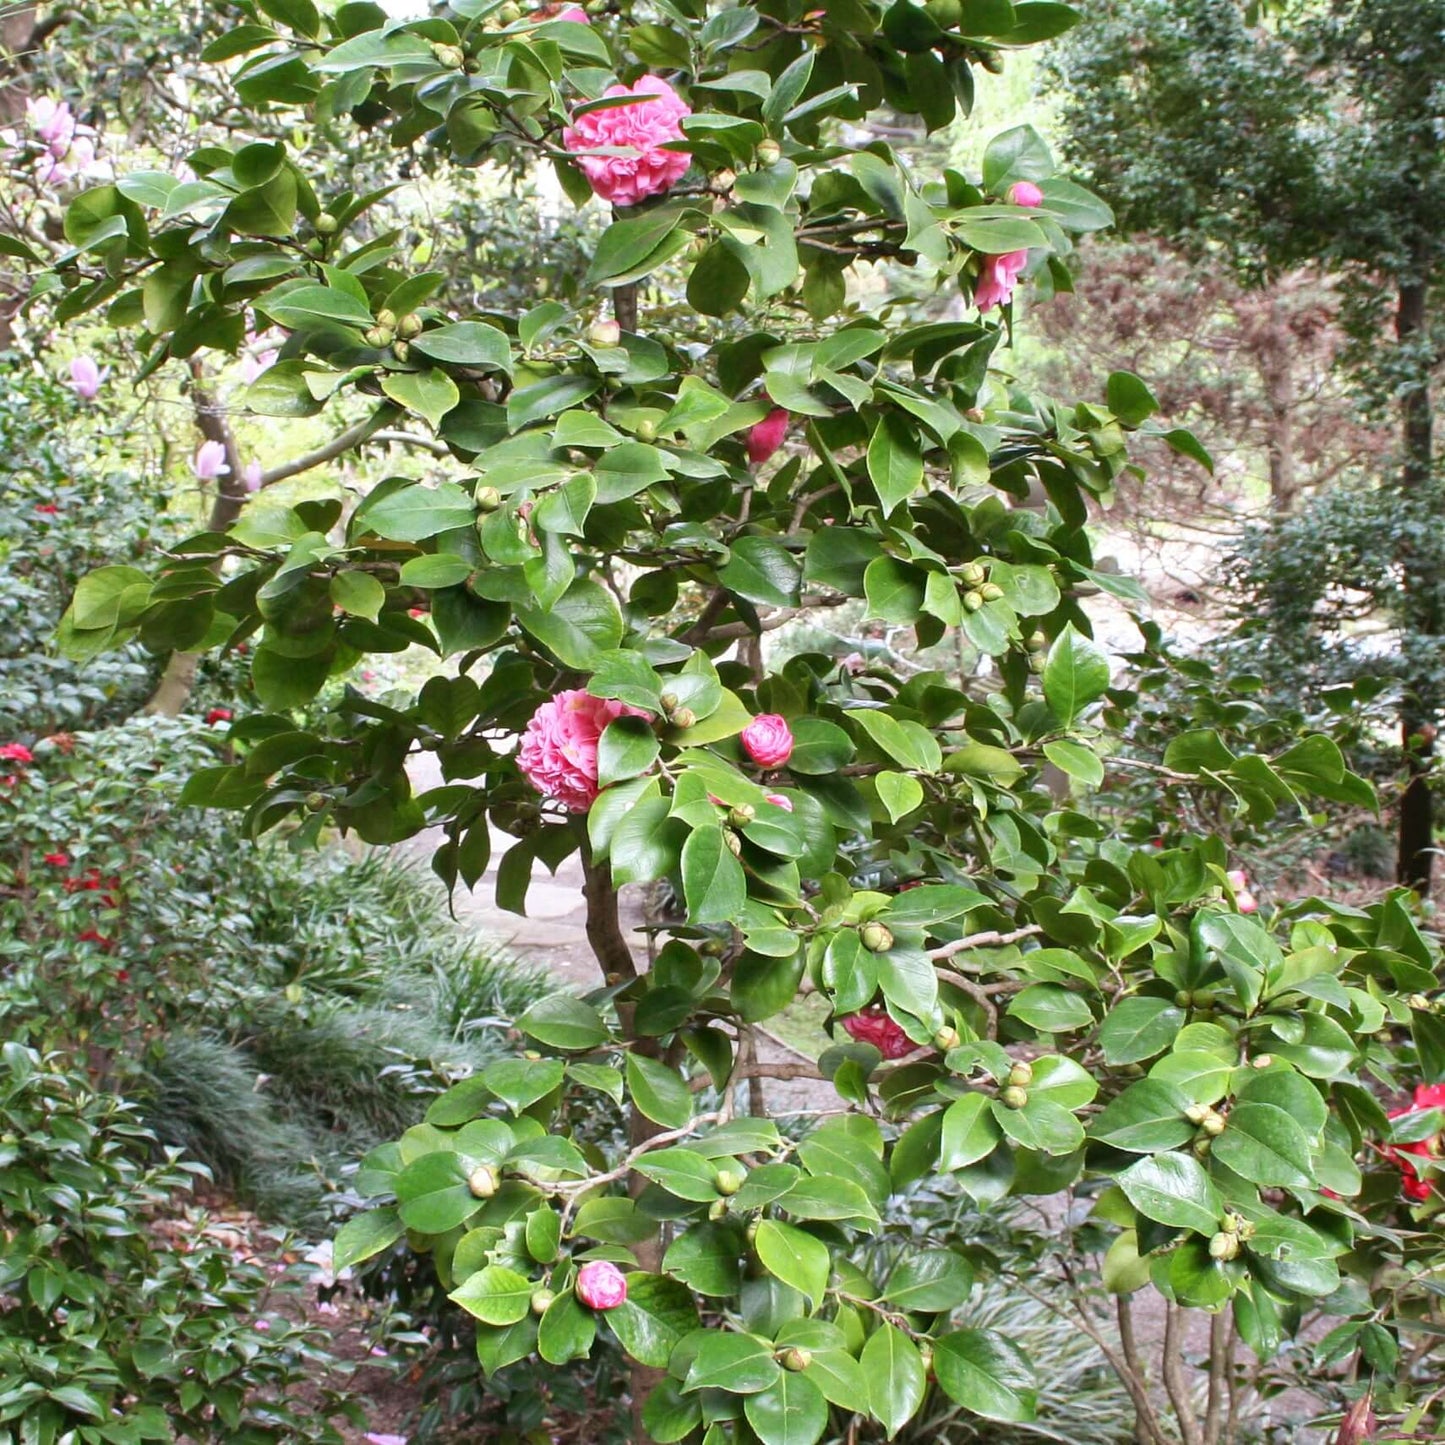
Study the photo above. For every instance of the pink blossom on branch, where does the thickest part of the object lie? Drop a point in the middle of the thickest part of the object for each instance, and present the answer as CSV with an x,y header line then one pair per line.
x,y
558,755
1025,193
601,1285
210,461
997,279
637,131
768,740
873,1026
85,378
1244,900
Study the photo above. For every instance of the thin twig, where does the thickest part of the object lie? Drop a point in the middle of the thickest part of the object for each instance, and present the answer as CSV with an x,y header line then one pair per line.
x,y
991,939
1174,1381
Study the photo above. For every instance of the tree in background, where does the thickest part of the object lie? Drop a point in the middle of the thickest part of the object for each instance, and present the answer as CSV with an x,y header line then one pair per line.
x,y
1310,138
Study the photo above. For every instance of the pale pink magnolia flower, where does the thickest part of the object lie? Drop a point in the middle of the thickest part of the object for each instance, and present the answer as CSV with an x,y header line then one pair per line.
x,y
997,279
1025,193
210,461
558,755
251,476
85,378
638,131
1244,900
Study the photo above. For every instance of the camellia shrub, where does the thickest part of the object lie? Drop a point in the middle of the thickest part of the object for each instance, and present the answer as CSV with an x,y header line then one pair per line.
x,y
1022,1000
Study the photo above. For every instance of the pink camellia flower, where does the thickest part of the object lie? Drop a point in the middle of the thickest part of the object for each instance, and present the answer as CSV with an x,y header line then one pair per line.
x,y
15,753
85,378
52,122
779,801
49,509
873,1026
638,130
1412,1185
601,1285
58,860
559,10
1025,193
210,461
997,279
1244,900
251,474
558,755
767,436
768,740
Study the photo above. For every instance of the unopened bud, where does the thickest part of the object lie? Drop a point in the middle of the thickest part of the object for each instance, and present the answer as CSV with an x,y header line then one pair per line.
x,y
1013,1097
729,1181
991,591
1038,642
795,1358
876,937
541,1299
488,499
314,246
1419,1003
1197,1113
327,224
1223,1246
482,1181
718,1209
645,430
683,717
1230,1223
379,336
1202,1148
410,325
735,844
401,350
1183,998
973,600
668,703
1213,1124
1037,662
769,152
973,575
386,318
947,1038
1021,1075
316,801
604,333
742,815
452,56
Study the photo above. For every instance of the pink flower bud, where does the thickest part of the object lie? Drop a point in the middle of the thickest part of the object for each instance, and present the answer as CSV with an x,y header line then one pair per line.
x,y
767,436
768,740
601,1285
778,800
84,378
251,475
1025,193
210,461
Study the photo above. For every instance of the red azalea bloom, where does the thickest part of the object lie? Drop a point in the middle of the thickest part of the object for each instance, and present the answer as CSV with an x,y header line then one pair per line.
x,y
218,714
49,508
15,753
873,1026
58,860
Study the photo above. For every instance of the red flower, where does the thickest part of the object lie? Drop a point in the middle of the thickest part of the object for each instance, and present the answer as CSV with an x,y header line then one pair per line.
x,y
99,939
122,975
767,436
58,860
601,1285
1412,1184
49,508
218,714
15,753
873,1026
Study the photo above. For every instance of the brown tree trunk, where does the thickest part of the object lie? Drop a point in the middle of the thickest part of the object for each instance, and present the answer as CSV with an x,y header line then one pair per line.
x,y
1421,612
1277,368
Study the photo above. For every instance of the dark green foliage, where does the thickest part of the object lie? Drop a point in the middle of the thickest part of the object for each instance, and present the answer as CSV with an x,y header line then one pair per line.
x,y
104,1323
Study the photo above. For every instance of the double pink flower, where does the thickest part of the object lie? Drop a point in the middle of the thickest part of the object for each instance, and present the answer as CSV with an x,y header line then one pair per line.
x,y
558,755
1000,274
640,167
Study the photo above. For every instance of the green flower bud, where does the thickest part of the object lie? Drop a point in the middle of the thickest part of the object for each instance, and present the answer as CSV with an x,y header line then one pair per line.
x,y
795,1358
973,600
452,56
315,246
947,1038
1183,998
1202,1148
604,333
1038,642
1021,1075
488,499
769,152
991,591
401,350
718,1209
1213,1124
1230,1223
1037,662
991,61
729,1181
683,717
510,13
1419,1003
973,575
315,802
386,318
1013,1097
742,815
541,1299
380,336
1198,1113
410,325
876,937
482,1181
735,844
645,430
327,224
668,703
1223,1246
